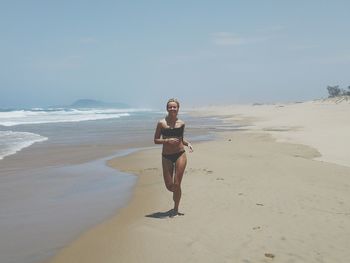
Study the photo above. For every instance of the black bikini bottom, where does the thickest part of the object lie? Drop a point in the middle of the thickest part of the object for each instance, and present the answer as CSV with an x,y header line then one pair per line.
x,y
173,157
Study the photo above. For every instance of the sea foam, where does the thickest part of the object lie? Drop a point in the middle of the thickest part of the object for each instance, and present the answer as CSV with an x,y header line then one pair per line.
x,y
55,115
12,142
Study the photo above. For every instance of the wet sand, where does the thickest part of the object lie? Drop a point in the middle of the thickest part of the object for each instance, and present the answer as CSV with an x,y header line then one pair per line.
x,y
44,207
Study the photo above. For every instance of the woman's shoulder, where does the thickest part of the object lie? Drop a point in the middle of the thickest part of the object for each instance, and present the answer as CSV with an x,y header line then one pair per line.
x,y
180,122
162,122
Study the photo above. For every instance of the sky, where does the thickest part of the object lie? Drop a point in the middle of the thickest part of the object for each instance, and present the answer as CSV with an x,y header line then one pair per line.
x,y
144,52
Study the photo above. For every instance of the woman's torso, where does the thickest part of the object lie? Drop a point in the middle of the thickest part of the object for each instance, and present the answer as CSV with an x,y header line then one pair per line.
x,y
177,131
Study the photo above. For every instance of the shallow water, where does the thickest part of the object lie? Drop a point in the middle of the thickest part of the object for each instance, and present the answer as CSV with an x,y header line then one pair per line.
x,y
51,206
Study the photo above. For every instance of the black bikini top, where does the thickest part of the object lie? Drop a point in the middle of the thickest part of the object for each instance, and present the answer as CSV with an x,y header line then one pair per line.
x,y
173,132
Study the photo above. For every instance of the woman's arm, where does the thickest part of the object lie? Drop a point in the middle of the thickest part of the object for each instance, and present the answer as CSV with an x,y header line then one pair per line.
x,y
185,142
157,134
188,144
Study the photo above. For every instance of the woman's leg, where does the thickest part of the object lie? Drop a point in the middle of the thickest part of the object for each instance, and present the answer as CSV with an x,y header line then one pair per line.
x,y
180,166
168,170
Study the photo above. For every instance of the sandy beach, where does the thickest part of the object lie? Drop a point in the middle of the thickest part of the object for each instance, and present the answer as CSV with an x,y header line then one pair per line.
x,y
274,190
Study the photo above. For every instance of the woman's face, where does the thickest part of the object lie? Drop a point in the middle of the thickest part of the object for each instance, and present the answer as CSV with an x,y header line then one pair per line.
x,y
172,108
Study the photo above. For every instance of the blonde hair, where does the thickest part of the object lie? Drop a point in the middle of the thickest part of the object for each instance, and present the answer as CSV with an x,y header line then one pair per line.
x,y
173,100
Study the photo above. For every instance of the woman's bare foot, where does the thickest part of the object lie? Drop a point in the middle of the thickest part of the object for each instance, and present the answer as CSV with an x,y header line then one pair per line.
x,y
175,212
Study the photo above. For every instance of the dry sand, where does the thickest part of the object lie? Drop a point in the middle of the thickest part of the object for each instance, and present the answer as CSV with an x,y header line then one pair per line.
x,y
322,124
246,197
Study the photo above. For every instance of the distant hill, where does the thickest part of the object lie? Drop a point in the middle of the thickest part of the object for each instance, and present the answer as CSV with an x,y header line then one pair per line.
x,y
88,103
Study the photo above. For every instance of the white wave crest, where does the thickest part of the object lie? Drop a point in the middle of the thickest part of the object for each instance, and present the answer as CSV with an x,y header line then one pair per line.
x,y
37,116
12,142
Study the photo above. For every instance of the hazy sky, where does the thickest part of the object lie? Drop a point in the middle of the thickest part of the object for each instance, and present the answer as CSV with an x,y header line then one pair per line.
x,y
143,52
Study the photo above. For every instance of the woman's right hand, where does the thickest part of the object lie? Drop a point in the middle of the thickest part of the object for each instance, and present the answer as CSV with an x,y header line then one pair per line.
x,y
173,141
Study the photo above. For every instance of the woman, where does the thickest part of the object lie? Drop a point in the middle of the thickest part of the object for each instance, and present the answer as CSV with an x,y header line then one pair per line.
x,y
169,132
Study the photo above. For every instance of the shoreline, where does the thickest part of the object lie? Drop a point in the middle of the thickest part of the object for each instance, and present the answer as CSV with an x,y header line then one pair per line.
x,y
59,202
246,197
54,191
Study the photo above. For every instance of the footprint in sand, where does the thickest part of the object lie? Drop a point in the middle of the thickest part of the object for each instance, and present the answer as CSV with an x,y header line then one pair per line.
x,y
207,171
259,204
256,228
220,179
269,255
151,169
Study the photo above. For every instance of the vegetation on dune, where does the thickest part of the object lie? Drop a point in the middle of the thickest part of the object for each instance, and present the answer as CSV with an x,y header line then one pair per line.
x,y
335,91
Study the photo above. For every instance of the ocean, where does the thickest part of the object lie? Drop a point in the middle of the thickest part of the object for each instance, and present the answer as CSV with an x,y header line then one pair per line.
x,y
22,128
54,182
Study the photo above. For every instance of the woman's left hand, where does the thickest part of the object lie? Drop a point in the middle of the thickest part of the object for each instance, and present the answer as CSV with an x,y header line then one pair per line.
x,y
190,147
